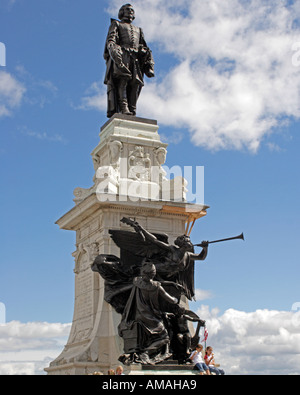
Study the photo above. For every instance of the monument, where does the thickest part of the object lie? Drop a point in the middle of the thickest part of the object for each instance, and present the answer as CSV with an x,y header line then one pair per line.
x,y
134,261
129,182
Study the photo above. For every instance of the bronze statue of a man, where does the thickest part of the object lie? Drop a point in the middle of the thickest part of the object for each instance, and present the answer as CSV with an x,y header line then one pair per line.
x,y
128,58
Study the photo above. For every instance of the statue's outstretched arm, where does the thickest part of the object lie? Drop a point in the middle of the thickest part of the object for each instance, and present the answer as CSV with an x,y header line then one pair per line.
x,y
203,254
167,297
150,237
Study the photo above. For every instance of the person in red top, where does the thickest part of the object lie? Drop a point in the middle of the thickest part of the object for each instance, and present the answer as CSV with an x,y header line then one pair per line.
x,y
209,359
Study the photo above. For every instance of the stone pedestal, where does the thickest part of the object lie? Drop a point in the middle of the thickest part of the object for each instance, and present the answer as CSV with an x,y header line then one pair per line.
x,y
129,153
165,368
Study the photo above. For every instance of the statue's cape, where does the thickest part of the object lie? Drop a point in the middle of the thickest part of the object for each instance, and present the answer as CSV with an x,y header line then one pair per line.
x,y
142,325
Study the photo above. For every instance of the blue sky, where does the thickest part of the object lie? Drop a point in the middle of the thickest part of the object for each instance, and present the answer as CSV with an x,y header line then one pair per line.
x,y
226,97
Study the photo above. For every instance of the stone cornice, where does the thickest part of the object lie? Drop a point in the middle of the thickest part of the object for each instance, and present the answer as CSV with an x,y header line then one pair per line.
x,y
73,218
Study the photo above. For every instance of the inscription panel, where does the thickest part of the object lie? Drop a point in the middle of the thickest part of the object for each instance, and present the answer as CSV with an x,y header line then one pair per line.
x,y
84,282
84,300
84,262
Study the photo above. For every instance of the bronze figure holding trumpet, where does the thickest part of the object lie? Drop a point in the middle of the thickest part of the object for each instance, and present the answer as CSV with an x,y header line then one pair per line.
x,y
145,286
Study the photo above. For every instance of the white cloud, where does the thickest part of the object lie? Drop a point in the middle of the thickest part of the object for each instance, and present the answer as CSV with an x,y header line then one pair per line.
x,y
202,294
39,92
11,93
260,342
175,137
57,138
27,348
233,79
24,368
95,98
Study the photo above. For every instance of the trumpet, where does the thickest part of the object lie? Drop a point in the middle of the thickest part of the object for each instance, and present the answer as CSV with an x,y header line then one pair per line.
x,y
241,237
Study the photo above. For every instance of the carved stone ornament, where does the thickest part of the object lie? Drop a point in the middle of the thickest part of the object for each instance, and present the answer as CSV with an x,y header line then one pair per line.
x,y
115,149
139,165
160,155
91,250
81,193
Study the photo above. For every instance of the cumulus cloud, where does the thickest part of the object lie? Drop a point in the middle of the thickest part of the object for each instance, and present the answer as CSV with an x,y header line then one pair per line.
x,y
260,342
95,98
24,368
202,294
232,80
11,93
27,348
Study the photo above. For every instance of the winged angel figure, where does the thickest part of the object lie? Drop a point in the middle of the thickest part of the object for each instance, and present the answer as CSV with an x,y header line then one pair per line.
x,y
145,285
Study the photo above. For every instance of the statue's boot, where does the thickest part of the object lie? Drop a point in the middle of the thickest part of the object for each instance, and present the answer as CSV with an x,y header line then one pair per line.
x,y
124,107
122,94
132,110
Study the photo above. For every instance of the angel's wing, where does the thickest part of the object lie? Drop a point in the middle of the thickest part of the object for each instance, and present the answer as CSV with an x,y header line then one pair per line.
x,y
134,248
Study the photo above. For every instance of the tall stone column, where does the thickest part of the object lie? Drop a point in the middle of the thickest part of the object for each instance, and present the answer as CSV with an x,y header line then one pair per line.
x,y
129,181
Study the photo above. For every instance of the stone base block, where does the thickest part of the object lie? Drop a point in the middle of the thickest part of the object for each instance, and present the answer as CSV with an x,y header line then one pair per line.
x,y
167,368
77,369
